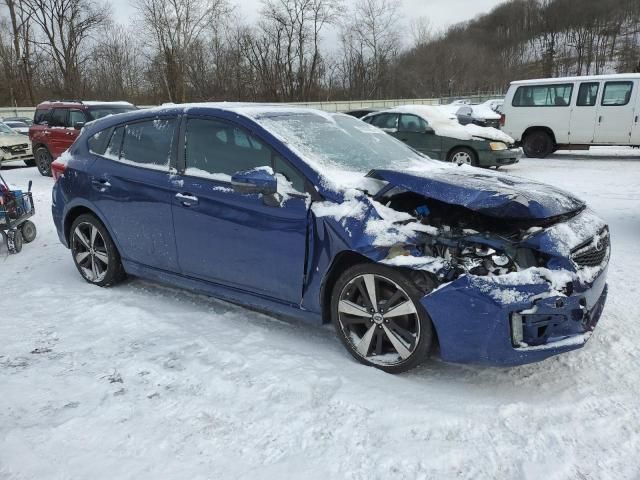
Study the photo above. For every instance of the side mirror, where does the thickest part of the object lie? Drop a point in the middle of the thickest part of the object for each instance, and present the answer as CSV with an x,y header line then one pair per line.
x,y
429,130
78,125
254,181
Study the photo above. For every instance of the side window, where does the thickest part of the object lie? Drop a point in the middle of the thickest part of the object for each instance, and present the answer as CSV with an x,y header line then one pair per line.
x,y
149,143
115,144
412,123
98,142
217,147
543,95
58,117
291,174
76,116
386,120
41,116
617,94
587,94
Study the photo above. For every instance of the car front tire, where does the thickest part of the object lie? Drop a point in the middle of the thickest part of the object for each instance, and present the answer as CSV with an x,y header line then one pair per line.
x,y
43,161
463,156
94,253
378,317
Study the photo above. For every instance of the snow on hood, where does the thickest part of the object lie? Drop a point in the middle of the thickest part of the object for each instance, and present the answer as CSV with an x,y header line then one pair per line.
x,y
492,194
446,124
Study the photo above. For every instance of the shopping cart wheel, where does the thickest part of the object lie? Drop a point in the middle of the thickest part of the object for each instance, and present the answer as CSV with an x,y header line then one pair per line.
x,y
14,241
29,232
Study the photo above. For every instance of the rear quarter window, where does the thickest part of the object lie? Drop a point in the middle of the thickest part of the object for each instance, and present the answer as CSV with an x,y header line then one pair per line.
x,y
98,142
557,95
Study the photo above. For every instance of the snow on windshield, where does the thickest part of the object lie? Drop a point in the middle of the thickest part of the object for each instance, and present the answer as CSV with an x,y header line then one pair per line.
x,y
340,148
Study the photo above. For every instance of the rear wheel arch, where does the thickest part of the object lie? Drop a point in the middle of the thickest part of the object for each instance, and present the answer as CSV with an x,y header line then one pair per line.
x,y
74,213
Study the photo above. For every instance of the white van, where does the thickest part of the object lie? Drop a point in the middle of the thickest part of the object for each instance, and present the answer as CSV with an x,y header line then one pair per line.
x,y
573,113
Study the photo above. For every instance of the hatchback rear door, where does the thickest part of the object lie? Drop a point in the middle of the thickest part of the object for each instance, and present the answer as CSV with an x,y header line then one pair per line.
x,y
234,239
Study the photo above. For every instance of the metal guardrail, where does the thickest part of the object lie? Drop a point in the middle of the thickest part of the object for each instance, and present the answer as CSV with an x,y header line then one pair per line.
x,y
340,106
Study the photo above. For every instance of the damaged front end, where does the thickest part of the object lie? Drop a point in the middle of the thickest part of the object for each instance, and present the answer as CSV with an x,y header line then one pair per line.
x,y
511,290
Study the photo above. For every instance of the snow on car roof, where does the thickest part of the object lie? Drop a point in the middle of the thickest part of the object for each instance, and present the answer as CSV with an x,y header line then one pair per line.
x,y
98,102
613,76
446,124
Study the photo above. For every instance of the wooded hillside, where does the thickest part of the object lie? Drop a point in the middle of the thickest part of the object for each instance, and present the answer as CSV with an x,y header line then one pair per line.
x,y
195,50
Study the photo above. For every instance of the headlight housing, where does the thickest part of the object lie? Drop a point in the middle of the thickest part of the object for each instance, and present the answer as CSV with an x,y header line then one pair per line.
x,y
497,146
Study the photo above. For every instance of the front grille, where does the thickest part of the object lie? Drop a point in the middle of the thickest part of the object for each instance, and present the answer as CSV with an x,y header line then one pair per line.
x,y
16,148
593,252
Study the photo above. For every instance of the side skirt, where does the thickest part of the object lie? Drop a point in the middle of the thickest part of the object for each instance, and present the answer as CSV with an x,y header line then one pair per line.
x,y
238,297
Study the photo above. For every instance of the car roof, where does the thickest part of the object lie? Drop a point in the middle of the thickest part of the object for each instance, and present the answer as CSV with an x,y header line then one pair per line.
x,y
80,104
586,78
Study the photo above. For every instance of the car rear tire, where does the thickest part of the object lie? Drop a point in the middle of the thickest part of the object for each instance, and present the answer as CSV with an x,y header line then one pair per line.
x,y
538,144
43,161
378,317
29,231
30,163
94,253
463,156
14,241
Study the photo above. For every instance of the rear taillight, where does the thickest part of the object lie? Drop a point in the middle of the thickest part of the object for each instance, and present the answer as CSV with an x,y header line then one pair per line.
x,y
57,169
503,120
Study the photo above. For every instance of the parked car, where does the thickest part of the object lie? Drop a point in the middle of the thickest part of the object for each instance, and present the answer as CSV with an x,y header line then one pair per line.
x,y
17,126
432,131
28,121
56,125
320,216
14,147
573,113
362,112
481,115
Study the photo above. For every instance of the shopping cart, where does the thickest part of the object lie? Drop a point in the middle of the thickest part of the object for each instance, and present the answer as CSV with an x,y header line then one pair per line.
x,y
16,207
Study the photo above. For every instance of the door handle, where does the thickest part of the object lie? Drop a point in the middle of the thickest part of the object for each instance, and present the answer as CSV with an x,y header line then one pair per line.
x,y
186,199
636,120
600,119
100,184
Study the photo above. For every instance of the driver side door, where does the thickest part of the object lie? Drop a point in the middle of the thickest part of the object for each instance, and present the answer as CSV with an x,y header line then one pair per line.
x,y
236,239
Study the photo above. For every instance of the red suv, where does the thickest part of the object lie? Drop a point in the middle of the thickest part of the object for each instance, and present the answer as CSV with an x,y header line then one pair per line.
x,y
57,123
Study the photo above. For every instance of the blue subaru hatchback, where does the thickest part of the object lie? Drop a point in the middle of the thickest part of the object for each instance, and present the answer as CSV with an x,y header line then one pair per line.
x,y
323,217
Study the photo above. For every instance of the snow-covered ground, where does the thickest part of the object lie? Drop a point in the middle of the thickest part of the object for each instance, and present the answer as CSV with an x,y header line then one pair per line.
x,y
143,381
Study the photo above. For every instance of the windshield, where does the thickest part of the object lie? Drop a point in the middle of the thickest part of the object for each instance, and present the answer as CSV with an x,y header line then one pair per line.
x,y
98,112
5,129
336,140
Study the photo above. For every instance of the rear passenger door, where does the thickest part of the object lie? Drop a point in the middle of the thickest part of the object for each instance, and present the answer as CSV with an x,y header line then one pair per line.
x,y
616,112
131,186
235,239
585,113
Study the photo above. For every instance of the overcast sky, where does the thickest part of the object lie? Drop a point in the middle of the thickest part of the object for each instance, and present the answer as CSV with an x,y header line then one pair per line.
x,y
441,13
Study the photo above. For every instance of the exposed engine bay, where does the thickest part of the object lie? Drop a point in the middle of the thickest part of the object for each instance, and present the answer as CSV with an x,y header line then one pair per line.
x,y
470,242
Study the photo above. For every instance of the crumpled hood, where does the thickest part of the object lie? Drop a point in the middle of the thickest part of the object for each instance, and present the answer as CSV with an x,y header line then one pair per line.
x,y
495,195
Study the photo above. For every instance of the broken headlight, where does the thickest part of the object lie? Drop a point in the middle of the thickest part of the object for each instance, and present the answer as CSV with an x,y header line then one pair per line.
x,y
482,260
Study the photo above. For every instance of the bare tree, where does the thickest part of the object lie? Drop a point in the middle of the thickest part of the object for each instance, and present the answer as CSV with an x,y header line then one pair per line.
x,y
173,27
64,28
370,43
285,51
16,56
